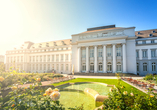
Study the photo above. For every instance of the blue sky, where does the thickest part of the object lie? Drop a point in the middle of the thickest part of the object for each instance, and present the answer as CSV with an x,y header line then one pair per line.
x,y
48,20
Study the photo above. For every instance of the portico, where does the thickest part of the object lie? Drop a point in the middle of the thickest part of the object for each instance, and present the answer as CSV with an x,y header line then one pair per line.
x,y
104,50
100,59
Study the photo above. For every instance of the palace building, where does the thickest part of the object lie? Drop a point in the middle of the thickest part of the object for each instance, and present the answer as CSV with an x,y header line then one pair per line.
x,y
2,59
105,49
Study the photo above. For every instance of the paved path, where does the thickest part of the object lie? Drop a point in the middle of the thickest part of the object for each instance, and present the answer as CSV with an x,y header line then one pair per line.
x,y
43,84
101,77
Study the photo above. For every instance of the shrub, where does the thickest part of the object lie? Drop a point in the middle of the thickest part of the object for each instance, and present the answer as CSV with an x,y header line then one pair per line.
x,y
120,99
149,77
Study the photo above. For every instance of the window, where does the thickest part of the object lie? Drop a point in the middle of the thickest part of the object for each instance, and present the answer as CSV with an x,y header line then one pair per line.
x,y
118,51
48,59
52,66
92,67
100,66
109,67
52,57
61,67
57,57
109,51
83,53
40,58
44,58
37,67
66,56
143,42
61,57
91,52
137,67
14,59
99,52
84,67
48,66
144,66
119,66
137,53
18,59
66,67
33,66
153,53
150,35
44,66
152,41
40,66
57,67
153,66
36,58
144,53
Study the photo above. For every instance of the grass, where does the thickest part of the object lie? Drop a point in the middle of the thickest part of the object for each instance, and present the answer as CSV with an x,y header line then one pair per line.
x,y
107,81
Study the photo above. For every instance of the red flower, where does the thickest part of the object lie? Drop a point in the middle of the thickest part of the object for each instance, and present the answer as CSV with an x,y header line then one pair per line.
x,y
13,105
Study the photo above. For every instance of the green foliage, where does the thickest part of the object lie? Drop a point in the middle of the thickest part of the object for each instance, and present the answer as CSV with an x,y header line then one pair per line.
x,y
119,99
27,98
149,77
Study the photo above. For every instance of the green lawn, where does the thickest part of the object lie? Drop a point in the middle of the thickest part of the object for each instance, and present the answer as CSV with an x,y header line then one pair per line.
x,y
107,81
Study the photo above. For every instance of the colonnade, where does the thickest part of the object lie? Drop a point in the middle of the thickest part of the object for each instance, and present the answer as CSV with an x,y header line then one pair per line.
x,y
104,58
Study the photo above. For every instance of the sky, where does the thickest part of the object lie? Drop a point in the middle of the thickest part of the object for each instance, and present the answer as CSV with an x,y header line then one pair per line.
x,y
49,20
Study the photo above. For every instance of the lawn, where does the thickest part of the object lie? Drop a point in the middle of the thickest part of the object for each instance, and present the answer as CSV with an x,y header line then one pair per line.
x,y
107,81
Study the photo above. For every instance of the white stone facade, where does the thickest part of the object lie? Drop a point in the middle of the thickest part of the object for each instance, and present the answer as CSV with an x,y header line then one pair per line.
x,y
41,57
100,50
106,50
2,59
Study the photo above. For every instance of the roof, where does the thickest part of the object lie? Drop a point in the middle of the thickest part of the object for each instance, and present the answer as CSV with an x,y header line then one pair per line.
x,y
51,43
101,30
146,33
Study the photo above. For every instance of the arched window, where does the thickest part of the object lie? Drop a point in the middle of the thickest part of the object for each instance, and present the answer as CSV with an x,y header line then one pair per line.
x,y
83,67
137,67
92,67
144,66
109,67
57,67
119,66
100,66
153,66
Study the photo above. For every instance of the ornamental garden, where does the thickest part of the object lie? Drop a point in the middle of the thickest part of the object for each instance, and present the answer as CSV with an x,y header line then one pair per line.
x,y
49,91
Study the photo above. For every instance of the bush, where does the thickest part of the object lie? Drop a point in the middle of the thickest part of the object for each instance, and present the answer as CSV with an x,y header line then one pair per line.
x,y
148,77
120,99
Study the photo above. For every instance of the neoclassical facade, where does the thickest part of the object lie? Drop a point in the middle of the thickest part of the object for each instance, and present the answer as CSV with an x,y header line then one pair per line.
x,y
41,57
2,59
106,49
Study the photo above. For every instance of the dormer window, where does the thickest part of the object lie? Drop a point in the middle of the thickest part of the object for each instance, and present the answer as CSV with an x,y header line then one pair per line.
x,y
139,33
153,31
150,35
152,41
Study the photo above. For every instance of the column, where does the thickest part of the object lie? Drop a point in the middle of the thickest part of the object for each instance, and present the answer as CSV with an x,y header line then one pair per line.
x,y
87,59
104,59
79,59
124,58
140,54
114,58
149,54
42,58
95,59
